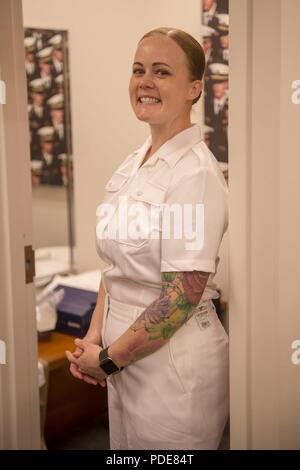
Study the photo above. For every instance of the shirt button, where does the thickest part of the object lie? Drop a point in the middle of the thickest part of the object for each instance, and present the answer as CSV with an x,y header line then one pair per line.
x,y
139,193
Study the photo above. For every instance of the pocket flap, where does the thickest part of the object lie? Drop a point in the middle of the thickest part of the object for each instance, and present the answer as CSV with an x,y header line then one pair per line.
x,y
149,193
116,182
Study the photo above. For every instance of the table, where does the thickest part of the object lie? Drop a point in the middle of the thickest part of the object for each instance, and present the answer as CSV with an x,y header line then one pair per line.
x,y
71,403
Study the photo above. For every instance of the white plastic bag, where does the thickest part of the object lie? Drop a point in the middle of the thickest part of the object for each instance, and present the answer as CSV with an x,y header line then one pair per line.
x,y
46,316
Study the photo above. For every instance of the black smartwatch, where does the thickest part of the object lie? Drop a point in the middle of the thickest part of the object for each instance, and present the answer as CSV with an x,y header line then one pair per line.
x,y
107,364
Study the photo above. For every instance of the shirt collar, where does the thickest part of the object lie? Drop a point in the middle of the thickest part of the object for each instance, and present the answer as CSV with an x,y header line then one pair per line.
x,y
173,149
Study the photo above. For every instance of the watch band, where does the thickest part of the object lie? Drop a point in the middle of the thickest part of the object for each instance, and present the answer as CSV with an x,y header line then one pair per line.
x,y
107,364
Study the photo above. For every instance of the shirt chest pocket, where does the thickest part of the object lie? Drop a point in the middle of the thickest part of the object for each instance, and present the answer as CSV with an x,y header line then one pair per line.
x,y
114,185
106,210
137,217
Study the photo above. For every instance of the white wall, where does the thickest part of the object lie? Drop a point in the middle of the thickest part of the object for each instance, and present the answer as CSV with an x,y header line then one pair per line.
x,y
102,40
264,224
49,216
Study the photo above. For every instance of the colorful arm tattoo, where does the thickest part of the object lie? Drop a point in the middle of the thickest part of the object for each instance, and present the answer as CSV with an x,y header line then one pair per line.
x,y
181,292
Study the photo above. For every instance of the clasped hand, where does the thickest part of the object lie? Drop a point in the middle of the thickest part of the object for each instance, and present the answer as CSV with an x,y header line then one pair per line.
x,y
85,363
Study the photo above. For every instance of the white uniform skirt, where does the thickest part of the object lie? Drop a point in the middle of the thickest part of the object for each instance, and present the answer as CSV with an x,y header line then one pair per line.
x,y
175,398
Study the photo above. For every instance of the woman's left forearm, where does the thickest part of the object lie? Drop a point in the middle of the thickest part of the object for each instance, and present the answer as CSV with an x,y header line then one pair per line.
x,y
180,293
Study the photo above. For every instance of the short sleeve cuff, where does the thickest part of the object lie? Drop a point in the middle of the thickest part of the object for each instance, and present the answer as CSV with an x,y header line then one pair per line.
x,y
178,265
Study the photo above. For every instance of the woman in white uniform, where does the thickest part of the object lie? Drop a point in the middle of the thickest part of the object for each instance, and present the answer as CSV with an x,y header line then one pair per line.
x,y
162,349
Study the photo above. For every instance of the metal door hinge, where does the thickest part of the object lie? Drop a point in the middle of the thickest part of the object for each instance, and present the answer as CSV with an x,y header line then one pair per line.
x,y
29,264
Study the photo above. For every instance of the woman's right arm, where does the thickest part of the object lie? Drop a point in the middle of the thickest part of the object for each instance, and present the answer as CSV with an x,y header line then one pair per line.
x,y
94,332
93,335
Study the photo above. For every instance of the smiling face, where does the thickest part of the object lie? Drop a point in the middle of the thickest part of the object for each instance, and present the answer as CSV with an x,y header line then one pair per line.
x,y
161,92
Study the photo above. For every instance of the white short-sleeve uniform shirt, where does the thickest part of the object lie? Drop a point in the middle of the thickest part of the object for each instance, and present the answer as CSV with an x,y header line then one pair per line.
x,y
137,234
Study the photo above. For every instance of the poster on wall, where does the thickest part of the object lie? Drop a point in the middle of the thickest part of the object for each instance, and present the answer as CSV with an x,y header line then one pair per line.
x,y
47,72
215,40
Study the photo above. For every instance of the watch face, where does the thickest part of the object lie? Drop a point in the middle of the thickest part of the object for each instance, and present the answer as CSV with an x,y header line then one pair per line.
x,y
109,366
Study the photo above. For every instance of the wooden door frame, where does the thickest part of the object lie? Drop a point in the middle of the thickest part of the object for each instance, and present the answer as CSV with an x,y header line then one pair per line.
x,y
19,394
